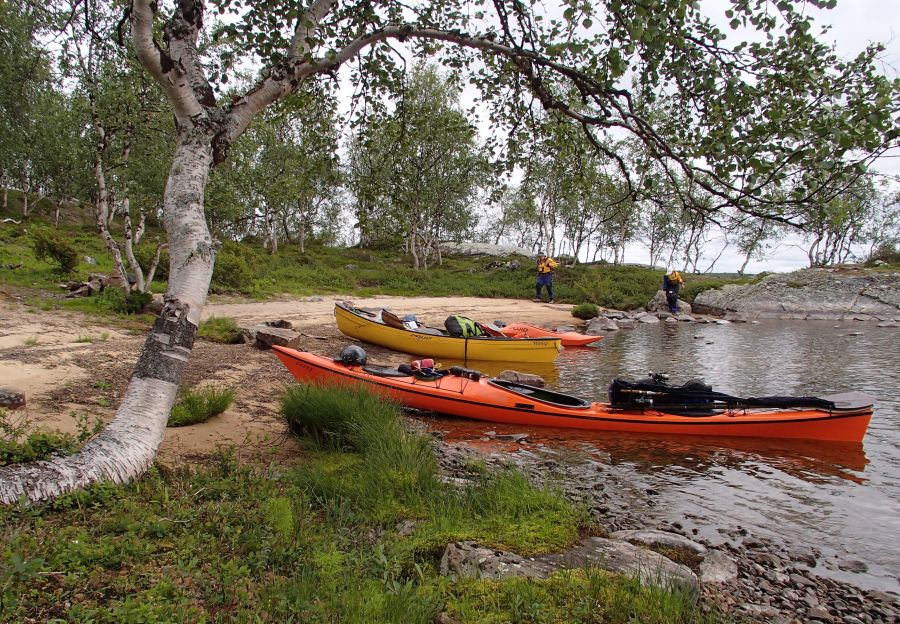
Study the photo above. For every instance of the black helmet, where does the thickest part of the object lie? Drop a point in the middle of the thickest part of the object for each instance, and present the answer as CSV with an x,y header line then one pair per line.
x,y
353,355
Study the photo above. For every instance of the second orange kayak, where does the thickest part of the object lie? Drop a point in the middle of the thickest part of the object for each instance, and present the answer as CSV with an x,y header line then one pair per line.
x,y
569,339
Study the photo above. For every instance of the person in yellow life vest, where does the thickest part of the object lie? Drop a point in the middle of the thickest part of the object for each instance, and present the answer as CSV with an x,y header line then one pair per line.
x,y
545,266
672,283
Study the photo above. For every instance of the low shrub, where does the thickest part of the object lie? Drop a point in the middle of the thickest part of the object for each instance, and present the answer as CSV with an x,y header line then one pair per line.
x,y
232,273
135,302
114,300
196,406
20,443
52,247
345,419
585,311
220,329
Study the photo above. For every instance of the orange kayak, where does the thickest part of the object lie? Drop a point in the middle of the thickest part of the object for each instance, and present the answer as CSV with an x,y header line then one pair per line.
x,y
569,339
501,401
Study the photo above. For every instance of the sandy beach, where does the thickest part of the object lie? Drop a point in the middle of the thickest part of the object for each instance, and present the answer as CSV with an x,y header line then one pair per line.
x,y
69,364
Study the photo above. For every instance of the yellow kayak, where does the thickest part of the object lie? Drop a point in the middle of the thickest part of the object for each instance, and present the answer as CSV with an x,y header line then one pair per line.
x,y
371,327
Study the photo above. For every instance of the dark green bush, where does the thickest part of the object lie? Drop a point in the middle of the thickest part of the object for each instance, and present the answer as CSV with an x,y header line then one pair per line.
x,y
135,302
232,270
52,247
585,311
116,301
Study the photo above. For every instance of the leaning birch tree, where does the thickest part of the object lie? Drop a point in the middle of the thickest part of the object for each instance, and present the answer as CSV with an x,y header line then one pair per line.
x,y
737,120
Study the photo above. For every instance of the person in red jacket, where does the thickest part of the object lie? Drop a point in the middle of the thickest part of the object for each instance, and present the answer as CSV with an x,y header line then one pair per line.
x,y
545,266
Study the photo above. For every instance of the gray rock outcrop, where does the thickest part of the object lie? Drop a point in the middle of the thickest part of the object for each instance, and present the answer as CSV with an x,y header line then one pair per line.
x,y
839,293
468,560
600,324
653,537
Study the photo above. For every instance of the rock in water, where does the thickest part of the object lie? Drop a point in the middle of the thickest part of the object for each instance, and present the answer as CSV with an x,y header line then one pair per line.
x,y
11,399
522,378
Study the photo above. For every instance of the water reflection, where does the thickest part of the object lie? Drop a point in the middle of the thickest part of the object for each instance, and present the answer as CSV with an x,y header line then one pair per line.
x,y
809,460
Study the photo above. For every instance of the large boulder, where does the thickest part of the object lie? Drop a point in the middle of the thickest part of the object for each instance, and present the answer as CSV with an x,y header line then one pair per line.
x,y
659,304
665,539
267,336
468,560
600,324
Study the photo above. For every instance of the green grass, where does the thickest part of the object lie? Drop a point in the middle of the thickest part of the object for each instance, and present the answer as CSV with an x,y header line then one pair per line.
x,y
314,542
197,406
220,329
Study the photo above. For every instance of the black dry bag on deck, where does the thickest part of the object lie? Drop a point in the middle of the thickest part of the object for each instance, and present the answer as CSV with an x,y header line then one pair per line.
x,y
462,327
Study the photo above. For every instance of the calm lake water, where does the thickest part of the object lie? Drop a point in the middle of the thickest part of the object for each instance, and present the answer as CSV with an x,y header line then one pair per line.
x,y
842,499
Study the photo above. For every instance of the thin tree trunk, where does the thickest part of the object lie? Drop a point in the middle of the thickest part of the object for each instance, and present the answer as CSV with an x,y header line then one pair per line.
x,y
151,271
411,241
129,249
103,218
128,445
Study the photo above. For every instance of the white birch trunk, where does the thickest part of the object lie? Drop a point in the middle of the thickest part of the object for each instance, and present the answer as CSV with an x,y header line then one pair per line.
x,y
133,264
128,445
103,218
151,271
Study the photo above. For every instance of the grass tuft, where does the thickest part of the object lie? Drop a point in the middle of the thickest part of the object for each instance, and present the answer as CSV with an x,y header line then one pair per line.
x,y
585,311
196,406
220,329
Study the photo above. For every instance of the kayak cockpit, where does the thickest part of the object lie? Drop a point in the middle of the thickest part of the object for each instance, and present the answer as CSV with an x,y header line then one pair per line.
x,y
542,395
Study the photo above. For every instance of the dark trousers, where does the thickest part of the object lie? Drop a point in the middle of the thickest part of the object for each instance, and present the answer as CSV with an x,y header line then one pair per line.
x,y
544,279
672,300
